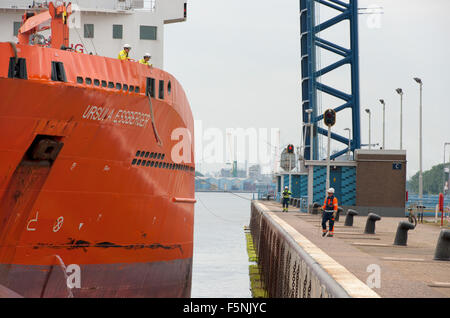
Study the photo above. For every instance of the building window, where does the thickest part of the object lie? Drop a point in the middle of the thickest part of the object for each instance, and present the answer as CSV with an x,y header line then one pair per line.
x,y
148,32
117,31
89,31
17,26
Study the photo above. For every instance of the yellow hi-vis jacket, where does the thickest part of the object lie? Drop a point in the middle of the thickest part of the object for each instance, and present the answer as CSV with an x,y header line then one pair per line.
x,y
142,61
123,55
286,194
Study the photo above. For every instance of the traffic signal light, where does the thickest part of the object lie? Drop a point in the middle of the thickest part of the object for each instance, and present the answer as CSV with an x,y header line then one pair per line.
x,y
290,148
329,117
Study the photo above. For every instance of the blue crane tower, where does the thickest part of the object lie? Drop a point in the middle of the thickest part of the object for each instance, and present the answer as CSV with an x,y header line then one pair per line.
x,y
310,41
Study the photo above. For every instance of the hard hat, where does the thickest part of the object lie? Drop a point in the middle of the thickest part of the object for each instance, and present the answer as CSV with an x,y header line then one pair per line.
x,y
330,190
127,46
286,187
147,55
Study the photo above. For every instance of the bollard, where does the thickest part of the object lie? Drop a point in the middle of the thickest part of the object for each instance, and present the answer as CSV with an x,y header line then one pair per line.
x,y
315,209
442,252
338,213
370,223
349,217
401,238
298,203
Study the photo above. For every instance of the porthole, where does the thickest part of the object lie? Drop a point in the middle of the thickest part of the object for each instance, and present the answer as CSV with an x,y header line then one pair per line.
x,y
104,84
143,154
125,87
131,88
139,162
134,161
147,154
96,82
80,80
169,87
152,164
159,156
110,85
88,81
137,89
148,163
118,86
151,155
143,162
160,165
163,156
138,153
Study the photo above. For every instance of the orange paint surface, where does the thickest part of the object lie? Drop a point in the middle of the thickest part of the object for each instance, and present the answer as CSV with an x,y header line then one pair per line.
x,y
94,205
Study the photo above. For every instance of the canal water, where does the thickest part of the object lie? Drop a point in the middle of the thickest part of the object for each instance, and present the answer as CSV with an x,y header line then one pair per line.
x,y
220,265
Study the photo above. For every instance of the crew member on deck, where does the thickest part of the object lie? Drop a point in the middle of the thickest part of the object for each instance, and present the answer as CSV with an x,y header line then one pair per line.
x,y
146,60
123,55
286,194
330,207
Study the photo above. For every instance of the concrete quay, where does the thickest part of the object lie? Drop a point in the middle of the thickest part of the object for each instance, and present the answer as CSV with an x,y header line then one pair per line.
x,y
367,259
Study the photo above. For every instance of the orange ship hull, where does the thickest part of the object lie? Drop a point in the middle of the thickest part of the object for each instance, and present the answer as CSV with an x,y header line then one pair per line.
x,y
111,200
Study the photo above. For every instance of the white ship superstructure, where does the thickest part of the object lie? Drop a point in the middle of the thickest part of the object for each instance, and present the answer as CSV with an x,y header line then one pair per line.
x,y
102,27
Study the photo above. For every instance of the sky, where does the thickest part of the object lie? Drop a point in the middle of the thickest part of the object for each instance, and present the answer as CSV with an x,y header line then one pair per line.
x,y
239,63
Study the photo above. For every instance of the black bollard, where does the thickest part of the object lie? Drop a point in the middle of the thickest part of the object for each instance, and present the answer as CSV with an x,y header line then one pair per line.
x,y
401,238
442,252
370,223
349,217
336,219
316,207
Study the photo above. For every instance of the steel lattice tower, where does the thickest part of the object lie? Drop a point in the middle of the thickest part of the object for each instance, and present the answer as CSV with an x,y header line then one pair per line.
x,y
310,41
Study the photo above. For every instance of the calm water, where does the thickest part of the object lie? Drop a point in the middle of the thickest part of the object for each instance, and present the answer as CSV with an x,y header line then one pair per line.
x,y
220,267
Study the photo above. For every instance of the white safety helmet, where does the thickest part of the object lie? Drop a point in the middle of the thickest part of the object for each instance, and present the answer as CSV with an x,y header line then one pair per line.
x,y
147,55
331,190
127,46
286,187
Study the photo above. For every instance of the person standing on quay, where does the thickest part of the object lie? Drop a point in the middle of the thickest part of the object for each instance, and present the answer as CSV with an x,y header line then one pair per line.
x,y
286,196
330,208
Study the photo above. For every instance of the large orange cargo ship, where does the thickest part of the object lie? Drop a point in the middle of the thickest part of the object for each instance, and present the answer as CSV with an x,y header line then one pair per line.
x,y
94,199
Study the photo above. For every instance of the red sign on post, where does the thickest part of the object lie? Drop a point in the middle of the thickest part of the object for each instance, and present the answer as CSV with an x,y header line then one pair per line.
x,y
441,207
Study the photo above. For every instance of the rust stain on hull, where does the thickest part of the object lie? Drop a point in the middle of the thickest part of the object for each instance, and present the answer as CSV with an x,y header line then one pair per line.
x,y
74,244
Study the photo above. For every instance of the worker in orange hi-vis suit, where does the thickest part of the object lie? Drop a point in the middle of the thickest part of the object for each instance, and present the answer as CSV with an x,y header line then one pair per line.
x,y
330,207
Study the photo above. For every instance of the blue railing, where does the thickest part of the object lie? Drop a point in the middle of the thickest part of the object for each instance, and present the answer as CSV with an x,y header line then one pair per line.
x,y
429,201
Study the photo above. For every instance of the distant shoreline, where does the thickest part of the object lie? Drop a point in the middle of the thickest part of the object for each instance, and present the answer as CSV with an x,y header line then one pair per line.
x,y
227,191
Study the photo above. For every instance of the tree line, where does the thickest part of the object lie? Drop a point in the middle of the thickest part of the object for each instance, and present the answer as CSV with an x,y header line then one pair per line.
x,y
433,181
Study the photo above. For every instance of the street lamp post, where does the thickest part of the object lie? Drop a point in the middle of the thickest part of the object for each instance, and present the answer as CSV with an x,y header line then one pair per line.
x,y
384,121
419,81
370,142
400,92
349,142
311,137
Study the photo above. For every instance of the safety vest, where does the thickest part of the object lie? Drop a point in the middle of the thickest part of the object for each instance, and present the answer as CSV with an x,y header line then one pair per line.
x,y
330,203
123,55
286,194
142,61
